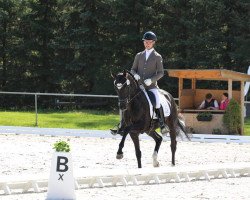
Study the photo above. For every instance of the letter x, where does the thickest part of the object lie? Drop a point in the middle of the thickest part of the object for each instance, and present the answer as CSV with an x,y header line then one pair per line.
x,y
60,177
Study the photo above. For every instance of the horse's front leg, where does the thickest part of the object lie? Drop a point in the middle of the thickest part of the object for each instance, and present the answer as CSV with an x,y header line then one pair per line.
x,y
135,139
119,154
158,140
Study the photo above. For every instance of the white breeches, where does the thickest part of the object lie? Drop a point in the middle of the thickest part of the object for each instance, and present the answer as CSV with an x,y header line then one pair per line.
x,y
157,97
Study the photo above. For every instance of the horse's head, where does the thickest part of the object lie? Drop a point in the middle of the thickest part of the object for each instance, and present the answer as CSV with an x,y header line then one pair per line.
x,y
124,84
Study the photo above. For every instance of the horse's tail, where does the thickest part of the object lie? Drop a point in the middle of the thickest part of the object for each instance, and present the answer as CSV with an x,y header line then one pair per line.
x,y
178,119
182,126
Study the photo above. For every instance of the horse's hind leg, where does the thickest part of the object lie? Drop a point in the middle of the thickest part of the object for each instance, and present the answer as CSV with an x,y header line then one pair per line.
x,y
158,139
135,139
173,145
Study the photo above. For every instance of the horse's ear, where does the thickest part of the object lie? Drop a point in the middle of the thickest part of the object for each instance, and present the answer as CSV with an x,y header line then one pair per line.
x,y
113,75
129,73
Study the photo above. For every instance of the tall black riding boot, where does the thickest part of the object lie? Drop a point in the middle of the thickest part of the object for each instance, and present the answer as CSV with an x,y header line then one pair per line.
x,y
160,115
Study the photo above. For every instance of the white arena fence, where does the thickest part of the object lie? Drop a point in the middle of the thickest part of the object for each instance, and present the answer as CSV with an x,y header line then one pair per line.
x,y
88,178
106,134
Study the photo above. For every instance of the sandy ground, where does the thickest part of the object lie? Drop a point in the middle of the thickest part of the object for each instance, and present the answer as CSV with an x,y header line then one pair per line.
x,y
30,154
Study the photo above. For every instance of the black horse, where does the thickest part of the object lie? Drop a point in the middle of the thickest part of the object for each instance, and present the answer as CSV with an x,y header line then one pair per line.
x,y
136,117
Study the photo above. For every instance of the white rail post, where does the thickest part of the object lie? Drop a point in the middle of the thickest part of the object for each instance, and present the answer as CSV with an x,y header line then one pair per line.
x,y
36,110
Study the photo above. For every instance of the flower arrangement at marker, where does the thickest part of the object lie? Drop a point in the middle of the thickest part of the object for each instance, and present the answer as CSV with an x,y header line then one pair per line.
x,y
61,146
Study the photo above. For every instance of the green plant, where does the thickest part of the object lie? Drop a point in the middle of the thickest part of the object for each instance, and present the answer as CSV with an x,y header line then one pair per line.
x,y
204,116
61,146
232,117
216,131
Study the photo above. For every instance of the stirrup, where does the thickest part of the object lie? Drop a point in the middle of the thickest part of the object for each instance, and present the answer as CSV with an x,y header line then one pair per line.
x,y
113,131
116,130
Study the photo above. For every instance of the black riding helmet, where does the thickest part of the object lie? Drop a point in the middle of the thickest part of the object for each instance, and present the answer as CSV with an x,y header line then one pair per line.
x,y
149,36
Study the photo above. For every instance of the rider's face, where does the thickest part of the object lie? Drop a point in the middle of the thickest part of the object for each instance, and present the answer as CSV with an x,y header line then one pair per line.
x,y
148,44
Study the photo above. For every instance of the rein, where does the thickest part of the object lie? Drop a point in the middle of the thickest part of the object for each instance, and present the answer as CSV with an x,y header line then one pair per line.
x,y
134,96
129,100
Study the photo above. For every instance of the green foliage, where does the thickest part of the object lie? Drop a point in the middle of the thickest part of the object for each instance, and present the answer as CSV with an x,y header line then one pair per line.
x,y
216,131
61,146
71,46
232,117
204,116
247,126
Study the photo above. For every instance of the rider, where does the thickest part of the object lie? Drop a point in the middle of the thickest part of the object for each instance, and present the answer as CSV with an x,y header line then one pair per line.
x,y
148,68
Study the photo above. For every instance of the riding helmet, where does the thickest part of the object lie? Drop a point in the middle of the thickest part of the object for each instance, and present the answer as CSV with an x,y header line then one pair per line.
x,y
149,36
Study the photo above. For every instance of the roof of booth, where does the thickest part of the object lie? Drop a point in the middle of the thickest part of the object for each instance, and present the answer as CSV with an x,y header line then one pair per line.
x,y
208,74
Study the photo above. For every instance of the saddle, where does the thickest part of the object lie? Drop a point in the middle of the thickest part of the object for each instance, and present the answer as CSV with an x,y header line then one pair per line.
x,y
152,103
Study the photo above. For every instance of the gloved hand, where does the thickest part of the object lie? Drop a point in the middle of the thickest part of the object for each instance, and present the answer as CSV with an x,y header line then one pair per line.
x,y
137,77
148,82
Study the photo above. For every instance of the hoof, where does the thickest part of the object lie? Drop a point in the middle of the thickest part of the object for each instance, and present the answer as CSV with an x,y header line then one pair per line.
x,y
156,164
119,156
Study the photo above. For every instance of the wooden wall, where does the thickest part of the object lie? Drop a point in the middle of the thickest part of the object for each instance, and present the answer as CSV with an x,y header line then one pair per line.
x,y
192,98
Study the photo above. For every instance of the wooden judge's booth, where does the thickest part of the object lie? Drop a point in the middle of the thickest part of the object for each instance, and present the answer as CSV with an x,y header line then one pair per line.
x,y
191,98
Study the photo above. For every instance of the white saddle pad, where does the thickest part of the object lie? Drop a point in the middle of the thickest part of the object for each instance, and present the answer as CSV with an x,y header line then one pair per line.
x,y
164,103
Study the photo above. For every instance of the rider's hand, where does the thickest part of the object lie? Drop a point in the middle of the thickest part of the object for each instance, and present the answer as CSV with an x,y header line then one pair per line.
x,y
137,77
148,82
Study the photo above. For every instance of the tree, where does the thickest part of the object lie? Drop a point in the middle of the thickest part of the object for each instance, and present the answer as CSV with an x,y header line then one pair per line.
x,y
72,46
36,51
8,40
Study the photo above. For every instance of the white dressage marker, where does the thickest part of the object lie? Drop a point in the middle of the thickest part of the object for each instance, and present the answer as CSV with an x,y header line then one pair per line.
x,y
61,183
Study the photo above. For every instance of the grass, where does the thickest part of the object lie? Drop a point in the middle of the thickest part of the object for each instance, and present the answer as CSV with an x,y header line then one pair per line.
x,y
247,126
85,119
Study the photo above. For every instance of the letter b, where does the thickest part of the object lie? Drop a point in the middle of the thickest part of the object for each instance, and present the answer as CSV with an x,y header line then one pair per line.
x,y
62,164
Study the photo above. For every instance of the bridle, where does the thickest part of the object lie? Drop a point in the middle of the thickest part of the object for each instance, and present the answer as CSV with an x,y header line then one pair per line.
x,y
128,99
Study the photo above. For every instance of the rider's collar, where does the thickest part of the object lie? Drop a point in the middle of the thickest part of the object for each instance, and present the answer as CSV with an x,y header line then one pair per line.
x,y
149,50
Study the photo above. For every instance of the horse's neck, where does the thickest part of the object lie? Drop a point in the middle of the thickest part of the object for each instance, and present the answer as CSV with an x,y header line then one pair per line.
x,y
140,104
134,90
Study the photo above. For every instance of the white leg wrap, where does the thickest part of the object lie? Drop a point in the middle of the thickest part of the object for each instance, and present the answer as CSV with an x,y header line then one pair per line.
x,y
155,161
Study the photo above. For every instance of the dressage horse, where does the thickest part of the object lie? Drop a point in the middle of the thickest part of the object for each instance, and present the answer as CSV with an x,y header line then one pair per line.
x,y
136,117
